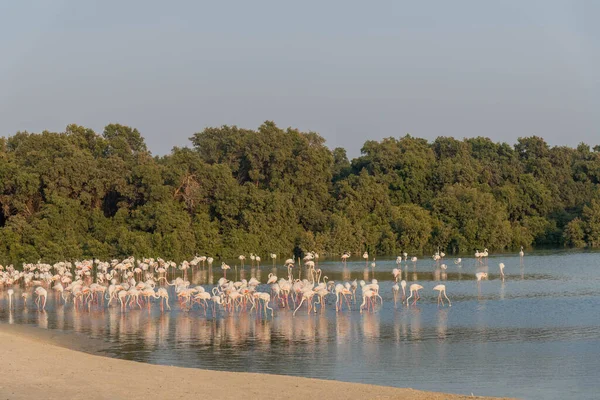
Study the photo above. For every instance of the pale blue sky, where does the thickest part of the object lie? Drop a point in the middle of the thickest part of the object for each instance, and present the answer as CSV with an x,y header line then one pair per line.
x,y
350,70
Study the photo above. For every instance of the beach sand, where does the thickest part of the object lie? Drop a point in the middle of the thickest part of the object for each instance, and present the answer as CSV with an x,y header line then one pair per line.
x,y
36,364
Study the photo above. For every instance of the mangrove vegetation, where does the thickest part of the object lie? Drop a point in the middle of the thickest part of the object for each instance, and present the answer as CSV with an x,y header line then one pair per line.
x,y
77,194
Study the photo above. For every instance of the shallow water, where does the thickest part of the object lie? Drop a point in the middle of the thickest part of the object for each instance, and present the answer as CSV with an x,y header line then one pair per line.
x,y
535,336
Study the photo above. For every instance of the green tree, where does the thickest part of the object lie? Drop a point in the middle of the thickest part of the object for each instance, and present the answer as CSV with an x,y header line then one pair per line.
x,y
574,233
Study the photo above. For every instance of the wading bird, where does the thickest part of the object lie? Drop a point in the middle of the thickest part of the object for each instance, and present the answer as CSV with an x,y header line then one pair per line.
x,y
441,289
345,257
414,291
41,292
480,276
225,267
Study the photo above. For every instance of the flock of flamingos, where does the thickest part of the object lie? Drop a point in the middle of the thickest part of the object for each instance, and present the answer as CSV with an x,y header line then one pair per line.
x,y
132,283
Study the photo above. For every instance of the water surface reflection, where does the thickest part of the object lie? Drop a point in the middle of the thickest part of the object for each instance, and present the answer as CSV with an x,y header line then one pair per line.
x,y
535,335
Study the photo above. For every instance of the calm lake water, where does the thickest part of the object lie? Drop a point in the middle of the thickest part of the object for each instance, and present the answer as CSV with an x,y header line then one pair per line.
x,y
534,336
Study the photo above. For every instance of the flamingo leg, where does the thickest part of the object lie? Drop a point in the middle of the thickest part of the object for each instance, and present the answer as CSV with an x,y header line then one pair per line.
x,y
347,302
299,305
449,304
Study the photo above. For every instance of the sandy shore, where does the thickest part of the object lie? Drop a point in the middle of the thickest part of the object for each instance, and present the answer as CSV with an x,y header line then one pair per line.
x,y
36,365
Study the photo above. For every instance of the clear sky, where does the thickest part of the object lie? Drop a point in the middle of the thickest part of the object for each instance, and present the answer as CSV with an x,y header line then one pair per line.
x,y
350,70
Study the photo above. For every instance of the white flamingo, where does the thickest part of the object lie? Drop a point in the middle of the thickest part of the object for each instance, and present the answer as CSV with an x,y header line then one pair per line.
x,y
442,290
480,276
225,267
41,292
414,291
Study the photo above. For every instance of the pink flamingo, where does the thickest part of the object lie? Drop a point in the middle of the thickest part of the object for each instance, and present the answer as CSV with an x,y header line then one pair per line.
x,y
225,267
442,289
41,292
414,289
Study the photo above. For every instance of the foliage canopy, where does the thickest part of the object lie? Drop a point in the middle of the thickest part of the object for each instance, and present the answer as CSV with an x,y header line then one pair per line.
x,y
77,194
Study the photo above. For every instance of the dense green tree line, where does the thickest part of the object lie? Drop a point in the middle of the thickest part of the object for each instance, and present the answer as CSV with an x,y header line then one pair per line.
x,y
79,194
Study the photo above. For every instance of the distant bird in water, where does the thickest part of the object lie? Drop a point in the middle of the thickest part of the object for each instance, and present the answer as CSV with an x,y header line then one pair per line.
x,y
521,253
373,265
225,267
458,261
442,290
480,276
501,265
